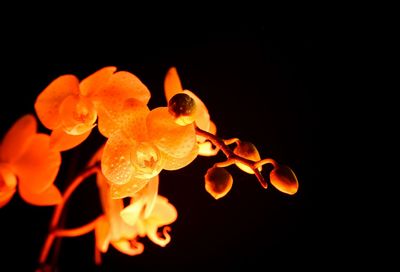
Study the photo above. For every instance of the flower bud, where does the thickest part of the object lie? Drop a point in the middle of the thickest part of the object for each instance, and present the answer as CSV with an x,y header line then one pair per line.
x,y
248,151
218,182
284,179
183,108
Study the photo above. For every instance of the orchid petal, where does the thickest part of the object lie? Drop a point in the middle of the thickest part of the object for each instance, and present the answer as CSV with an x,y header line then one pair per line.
x,y
132,119
131,214
61,141
128,189
106,121
38,166
8,183
96,81
48,102
172,163
109,100
213,128
172,83
116,162
102,235
202,116
169,137
17,138
164,213
6,195
50,196
207,149
155,238
150,197
122,86
130,248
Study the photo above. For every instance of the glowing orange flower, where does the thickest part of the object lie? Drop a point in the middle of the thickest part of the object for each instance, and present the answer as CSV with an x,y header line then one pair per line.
x,y
147,224
148,212
173,86
26,159
145,143
70,108
121,227
110,228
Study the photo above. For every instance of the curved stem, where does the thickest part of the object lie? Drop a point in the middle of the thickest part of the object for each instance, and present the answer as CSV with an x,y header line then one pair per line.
x,y
232,157
59,208
266,161
68,192
76,231
231,141
224,163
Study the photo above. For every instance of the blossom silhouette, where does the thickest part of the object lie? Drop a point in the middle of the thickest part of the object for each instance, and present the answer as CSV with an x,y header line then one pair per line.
x,y
70,108
26,160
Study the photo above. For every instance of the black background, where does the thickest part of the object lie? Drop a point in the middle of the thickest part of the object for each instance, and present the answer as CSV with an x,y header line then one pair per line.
x,y
258,81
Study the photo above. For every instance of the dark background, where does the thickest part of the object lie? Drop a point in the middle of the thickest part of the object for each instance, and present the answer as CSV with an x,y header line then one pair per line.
x,y
258,81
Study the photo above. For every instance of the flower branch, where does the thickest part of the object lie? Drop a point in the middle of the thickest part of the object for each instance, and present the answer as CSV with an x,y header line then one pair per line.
x,y
232,158
59,209
76,231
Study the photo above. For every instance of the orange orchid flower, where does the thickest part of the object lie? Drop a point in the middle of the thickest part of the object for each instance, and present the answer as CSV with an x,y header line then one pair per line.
x,y
110,228
121,227
145,143
148,220
70,108
173,86
27,160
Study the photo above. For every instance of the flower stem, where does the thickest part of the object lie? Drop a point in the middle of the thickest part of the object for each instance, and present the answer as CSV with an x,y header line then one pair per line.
x,y
59,209
76,231
233,158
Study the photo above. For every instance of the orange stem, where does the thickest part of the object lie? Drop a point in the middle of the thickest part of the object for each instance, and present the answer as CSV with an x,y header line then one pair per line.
x,y
59,208
97,256
232,157
76,231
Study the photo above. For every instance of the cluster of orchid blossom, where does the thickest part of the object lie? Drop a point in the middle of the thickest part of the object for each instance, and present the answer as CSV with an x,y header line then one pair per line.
x,y
140,143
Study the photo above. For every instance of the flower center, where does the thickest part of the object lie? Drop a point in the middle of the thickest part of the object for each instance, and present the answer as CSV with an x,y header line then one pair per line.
x,y
146,160
78,115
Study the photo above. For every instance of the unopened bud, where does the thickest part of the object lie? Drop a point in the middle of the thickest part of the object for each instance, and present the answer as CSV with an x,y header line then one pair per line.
x,y
248,151
183,108
218,182
284,179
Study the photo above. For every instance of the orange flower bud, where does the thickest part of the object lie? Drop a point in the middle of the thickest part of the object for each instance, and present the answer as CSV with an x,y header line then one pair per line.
x,y
284,179
218,182
248,151
183,108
